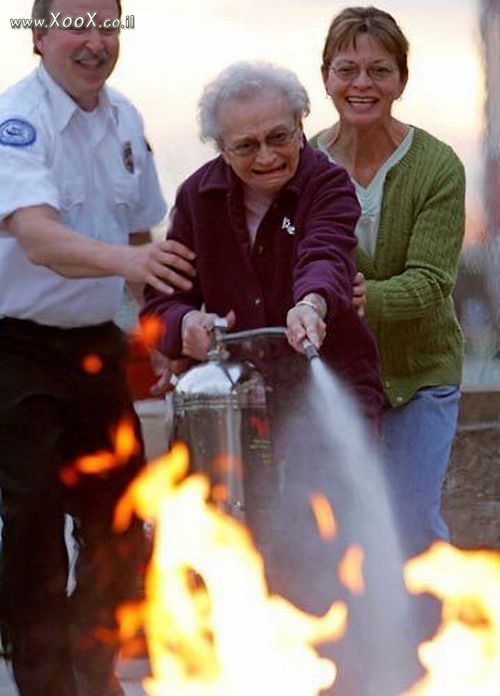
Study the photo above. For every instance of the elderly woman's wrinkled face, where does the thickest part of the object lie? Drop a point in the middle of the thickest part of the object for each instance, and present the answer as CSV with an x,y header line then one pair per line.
x,y
261,140
363,82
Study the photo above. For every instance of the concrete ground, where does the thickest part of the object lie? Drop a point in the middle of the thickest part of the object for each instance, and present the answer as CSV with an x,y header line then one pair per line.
x,y
131,673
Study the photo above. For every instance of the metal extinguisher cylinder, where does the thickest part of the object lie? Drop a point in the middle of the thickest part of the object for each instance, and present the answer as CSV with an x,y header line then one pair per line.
x,y
220,412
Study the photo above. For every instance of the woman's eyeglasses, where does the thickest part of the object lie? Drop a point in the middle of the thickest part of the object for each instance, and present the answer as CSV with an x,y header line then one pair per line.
x,y
278,138
348,73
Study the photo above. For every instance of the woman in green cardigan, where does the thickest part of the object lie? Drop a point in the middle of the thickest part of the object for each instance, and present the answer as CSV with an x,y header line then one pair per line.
x,y
411,190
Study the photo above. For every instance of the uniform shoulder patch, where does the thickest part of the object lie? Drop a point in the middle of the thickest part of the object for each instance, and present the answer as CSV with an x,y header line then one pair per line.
x,y
17,133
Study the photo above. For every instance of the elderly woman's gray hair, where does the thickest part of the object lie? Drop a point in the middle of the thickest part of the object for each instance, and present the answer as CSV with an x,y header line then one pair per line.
x,y
243,80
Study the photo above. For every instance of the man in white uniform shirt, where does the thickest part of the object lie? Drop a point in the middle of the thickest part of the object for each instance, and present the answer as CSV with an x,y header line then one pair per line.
x,y
77,183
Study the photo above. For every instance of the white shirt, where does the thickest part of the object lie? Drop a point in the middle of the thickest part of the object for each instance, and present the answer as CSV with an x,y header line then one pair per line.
x,y
95,169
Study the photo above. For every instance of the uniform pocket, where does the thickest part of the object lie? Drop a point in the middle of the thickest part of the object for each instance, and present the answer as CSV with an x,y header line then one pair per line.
x,y
72,193
127,190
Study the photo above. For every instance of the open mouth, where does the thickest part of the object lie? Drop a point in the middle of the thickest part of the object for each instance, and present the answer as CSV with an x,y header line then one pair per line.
x,y
270,172
361,101
91,63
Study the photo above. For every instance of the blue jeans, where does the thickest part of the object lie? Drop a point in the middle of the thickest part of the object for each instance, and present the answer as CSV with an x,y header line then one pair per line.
x,y
417,439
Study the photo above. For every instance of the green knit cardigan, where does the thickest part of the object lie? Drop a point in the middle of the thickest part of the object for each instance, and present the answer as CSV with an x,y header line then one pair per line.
x,y
411,276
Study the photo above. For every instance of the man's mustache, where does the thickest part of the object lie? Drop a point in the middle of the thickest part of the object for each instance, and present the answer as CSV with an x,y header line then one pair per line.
x,y
86,54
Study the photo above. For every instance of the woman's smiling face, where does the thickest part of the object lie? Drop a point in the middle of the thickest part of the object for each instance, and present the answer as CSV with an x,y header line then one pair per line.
x,y
363,81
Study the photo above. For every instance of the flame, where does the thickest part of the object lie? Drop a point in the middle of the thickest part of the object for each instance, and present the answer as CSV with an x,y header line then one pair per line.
x,y
226,463
463,659
149,331
211,626
92,364
125,445
351,569
325,519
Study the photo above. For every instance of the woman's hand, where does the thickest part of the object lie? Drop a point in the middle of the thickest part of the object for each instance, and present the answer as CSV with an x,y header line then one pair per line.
x,y
306,320
195,332
359,294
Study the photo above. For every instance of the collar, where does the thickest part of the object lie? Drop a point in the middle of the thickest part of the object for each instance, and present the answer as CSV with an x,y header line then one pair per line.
x,y
219,176
63,106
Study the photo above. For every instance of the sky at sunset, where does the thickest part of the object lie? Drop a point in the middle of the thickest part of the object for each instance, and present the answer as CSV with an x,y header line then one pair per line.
x,y
179,45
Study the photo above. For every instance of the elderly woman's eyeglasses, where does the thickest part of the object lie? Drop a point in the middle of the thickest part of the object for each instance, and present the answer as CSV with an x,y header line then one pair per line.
x,y
348,73
278,138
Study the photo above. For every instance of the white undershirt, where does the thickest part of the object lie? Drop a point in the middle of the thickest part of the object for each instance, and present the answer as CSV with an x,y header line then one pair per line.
x,y
92,122
256,203
370,197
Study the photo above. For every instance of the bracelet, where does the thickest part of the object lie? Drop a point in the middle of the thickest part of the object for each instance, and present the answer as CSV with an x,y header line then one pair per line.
x,y
308,303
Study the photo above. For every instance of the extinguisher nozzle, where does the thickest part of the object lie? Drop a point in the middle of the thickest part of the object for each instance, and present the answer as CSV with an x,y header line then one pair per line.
x,y
310,349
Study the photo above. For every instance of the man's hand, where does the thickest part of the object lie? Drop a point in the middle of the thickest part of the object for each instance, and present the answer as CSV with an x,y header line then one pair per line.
x,y
359,294
306,320
157,264
47,242
195,331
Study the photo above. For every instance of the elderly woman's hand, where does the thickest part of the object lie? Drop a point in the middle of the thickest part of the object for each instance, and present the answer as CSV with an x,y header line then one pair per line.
x,y
359,294
195,330
306,320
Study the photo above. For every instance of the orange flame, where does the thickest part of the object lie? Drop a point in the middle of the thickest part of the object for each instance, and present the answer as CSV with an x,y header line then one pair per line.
x,y
325,519
220,493
225,463
463,659
351,570
125,445
92,364
212,628
149,331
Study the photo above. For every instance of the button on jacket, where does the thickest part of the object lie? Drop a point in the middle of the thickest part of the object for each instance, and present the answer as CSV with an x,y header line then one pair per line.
x,y
95,169
305,243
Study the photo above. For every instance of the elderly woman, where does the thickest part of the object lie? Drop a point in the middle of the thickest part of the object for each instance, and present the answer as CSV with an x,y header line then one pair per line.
x,y
411,190
271,222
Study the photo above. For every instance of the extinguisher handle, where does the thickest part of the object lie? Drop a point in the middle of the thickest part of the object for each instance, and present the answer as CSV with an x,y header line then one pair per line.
x,y
216,337
220,323
276,331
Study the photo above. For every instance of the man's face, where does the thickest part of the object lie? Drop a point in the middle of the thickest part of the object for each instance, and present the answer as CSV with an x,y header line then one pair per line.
x,y
80,59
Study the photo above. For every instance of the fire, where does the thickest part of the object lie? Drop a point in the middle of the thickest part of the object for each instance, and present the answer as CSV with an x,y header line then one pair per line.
x,y
211,625
92,363
325,519
463,659
124,445
351,570
149,331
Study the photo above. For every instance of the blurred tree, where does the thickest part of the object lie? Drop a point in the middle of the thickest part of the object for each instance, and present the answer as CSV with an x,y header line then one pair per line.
x,y
490,28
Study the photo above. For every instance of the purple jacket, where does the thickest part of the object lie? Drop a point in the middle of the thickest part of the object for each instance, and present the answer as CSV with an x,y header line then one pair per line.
x,y
305,243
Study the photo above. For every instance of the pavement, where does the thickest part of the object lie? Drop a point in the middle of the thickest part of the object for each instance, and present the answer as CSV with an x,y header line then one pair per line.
x,y
131,673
